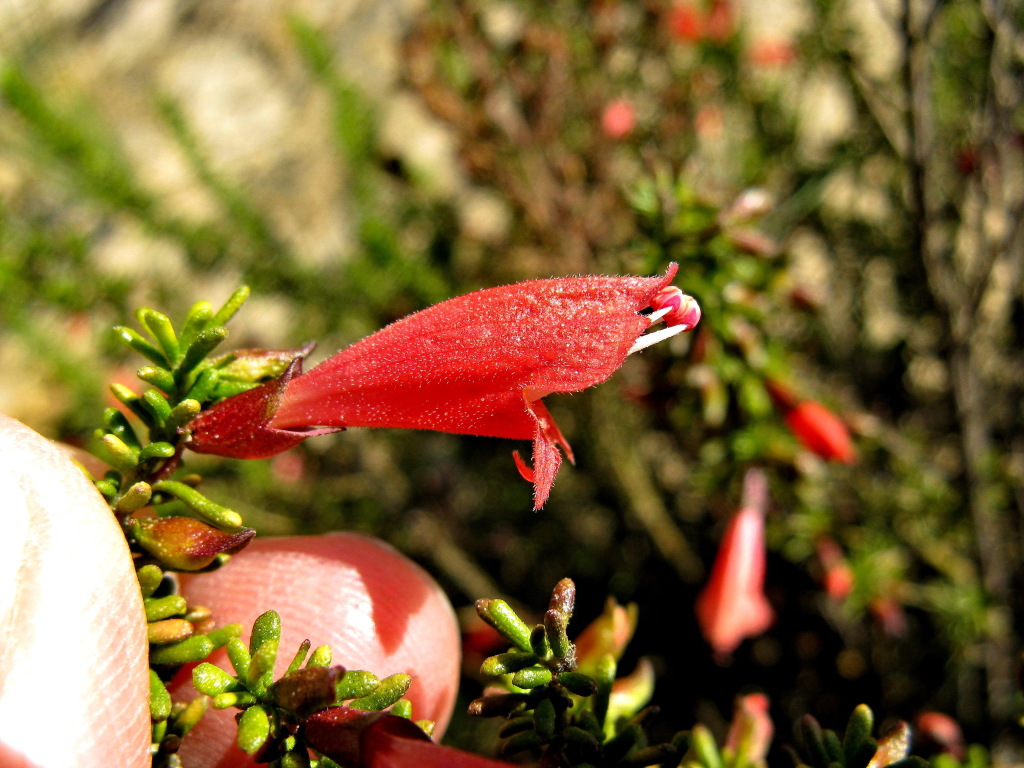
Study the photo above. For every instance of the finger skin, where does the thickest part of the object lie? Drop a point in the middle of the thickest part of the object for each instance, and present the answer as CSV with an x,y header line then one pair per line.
x,y
376,609
74,685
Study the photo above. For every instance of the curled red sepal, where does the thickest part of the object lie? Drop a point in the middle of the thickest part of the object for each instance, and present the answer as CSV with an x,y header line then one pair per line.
x,y
378,740
239,427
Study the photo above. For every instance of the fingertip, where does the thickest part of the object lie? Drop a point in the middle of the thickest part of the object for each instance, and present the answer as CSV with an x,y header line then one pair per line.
x,y
72,615
377,610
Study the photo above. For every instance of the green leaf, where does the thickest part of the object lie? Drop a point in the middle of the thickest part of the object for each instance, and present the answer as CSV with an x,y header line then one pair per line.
x,y
158,608
500,615
212,680
199,504
135,340
159,698
355,684
532,677
231,306
195,648
253,729
390,690
161,329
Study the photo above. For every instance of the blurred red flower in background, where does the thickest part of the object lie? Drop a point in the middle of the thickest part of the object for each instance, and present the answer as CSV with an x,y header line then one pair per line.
x,y
732,606
815,426
618,120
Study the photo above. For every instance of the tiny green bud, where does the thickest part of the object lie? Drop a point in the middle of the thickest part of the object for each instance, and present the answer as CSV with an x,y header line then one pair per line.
x,y
149,577
118,424
266,629
204,386
497,704
164,607
253,729
402,708
390,690
135,340
544,719
159,698
300,656
240,699
160,327
704,746
321,657
355,684
212,680
500,615
134,498
239,656
157,377
205,342
231,306
199,504
554,629
158,450
222,635
858,745
198,317
120,455
108,488
156,403
577,683
261,666
195,648
506,663
183,413
531,677
191,714
169,631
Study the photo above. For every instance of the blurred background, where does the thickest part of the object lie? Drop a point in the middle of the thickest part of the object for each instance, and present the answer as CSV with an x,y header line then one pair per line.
x,y
840,181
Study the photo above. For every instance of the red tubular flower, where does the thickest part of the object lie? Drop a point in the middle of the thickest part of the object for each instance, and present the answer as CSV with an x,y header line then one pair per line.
x,y
378,740
814,425
821,432
732,606
477,364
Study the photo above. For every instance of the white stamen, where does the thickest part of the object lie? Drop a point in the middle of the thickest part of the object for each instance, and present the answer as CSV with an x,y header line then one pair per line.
x,y
653,338
658,314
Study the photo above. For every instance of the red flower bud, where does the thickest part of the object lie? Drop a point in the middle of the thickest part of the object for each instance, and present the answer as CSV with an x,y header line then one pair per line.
x,y
822,432
618,120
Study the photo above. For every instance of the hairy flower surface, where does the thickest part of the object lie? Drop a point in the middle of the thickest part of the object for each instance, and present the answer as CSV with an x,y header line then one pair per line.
x,y
477,364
